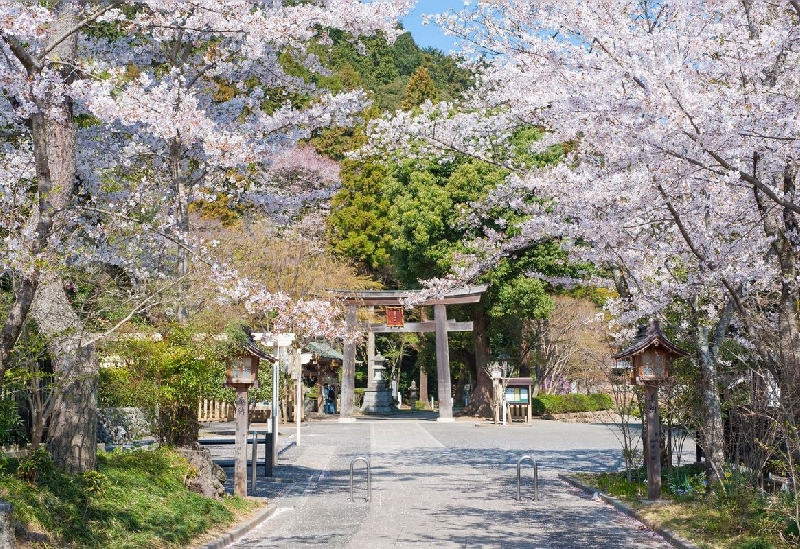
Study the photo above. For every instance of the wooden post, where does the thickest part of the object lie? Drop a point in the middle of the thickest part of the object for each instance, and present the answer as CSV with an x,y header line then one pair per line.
x,y
443,364
275,408
240,462
530,403
496,400
348,366
298,402
653,442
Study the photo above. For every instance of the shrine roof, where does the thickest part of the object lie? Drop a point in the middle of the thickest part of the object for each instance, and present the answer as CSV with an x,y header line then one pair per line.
x,y
466,294
324,350
650,335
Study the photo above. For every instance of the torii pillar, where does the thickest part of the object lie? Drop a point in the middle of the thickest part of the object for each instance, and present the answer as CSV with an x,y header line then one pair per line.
x,y
443,364
347,390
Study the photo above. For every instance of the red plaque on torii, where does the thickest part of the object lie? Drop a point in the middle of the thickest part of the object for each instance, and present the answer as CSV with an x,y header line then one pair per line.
x,y
394,317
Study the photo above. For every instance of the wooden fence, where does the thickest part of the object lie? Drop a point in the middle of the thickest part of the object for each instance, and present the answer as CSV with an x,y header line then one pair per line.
x,y
214,410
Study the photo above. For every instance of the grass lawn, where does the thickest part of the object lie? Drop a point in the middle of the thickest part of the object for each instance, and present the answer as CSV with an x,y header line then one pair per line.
x,y
134,500
734,516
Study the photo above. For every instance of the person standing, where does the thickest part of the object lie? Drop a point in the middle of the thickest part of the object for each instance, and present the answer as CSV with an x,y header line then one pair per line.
x,y
332,399
325,400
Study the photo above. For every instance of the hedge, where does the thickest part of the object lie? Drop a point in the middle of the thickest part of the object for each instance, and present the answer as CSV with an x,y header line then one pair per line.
x,y
564,404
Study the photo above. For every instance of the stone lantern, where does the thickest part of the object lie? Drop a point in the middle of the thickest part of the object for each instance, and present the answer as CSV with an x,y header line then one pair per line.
x,y
377,397
650,355
499,371
379,369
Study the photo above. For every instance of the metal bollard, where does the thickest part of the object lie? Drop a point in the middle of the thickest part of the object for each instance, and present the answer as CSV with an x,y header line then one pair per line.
x,y
535,477
369,477
268,454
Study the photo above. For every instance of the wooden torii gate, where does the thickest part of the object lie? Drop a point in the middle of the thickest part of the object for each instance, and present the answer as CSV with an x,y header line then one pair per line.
x,y
355,299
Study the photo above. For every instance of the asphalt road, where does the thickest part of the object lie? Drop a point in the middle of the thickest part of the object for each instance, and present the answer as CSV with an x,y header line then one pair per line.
x,y
443,485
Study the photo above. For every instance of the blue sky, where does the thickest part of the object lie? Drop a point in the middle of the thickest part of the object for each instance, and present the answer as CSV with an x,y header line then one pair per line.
x,y
431,35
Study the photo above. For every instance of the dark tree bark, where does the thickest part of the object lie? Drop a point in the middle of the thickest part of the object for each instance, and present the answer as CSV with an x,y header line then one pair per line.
x,y
480,402
73,423
72,430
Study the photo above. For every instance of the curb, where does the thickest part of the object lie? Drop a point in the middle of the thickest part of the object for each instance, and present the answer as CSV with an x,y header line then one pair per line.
x,y
673,538
241,529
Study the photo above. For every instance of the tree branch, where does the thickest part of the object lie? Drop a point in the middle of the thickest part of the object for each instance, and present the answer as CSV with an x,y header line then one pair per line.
x,y
22,55
682,228
78,26
162,234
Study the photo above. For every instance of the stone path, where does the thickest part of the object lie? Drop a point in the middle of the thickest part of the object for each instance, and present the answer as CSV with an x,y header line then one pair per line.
x,y
443,485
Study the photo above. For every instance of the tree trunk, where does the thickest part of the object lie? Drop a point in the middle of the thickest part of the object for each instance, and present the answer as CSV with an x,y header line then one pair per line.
x,y
423,368
480,402
182,209
708,345
53,142
72,431
423,384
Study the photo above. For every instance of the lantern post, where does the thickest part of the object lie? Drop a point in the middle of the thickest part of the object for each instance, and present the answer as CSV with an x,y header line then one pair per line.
x,y
650,356
241,374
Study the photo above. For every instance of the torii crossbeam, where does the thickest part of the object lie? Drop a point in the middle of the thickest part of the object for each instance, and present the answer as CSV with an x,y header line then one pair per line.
x,y
355,299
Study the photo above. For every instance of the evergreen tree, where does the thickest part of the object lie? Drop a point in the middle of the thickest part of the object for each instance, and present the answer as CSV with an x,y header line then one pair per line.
x,y
420,88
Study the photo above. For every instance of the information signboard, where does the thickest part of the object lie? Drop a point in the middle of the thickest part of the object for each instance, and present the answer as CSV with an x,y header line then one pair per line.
x,y
517,395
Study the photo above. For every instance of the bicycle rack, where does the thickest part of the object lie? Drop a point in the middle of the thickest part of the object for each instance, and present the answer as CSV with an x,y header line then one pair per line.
x,y
369,477
535,477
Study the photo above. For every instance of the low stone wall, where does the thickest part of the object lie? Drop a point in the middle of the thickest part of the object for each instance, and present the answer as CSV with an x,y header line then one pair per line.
x,y
121,425
604,416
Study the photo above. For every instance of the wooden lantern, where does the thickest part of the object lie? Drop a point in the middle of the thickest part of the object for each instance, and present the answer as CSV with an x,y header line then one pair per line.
x,y
242,370
650,355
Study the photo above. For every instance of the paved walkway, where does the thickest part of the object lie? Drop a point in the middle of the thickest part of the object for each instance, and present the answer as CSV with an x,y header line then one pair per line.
x,y
443,485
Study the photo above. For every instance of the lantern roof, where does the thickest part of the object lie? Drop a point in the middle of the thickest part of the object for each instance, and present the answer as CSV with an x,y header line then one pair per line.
x,y
650,335
254,348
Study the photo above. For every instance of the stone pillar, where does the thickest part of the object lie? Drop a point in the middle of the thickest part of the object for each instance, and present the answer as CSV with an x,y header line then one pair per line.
x,y
6,526
443,364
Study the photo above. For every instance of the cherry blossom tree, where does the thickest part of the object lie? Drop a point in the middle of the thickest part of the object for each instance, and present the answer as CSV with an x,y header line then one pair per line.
x,y
680,179
111,115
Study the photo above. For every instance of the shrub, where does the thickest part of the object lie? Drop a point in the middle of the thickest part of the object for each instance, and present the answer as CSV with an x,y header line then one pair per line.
x,y
564,404
602,401
11,428
35,466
